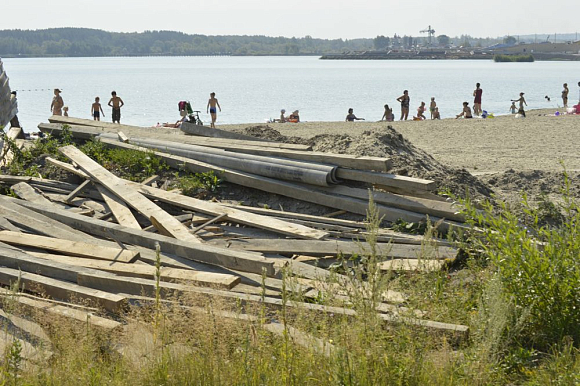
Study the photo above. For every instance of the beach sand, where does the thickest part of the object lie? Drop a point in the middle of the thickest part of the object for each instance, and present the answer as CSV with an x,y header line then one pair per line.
x,y
482,146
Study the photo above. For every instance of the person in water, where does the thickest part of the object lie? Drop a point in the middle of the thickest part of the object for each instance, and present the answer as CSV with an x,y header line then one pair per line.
x,y
522,102
57,103
212,103
405,101
351,117
466,113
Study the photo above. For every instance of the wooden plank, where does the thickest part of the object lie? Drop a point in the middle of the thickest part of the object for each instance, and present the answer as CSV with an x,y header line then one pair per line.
x,y
59,289
77,191
150,180
215,219
7,225
122,137
234,215
34,307
205,279
166,222
119,209
302,339
243,261
386,179
73,248
337,247
295,191
169,134
27,192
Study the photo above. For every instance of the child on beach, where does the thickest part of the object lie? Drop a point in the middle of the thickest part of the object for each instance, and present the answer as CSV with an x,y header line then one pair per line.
x,y
466,113
116,103
432,106
97,110
513,108
65,109
212,103
435,114
420,112
388,114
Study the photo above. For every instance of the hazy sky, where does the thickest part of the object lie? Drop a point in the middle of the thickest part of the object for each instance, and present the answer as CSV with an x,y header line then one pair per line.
x,y
318,18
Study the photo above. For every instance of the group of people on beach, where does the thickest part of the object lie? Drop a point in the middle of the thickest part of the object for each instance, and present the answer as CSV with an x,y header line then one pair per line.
x,y
57,106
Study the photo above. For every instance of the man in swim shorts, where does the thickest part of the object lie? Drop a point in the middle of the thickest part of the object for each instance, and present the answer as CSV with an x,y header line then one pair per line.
x,y
116,103
212,103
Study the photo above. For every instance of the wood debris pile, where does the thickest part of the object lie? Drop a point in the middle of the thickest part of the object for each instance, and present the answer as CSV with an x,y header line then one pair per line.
x,y
96,241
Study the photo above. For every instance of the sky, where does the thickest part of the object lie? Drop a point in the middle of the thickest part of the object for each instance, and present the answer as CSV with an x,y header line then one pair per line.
x,y
328,19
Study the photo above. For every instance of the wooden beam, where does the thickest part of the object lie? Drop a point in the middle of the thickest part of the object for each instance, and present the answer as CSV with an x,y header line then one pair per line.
x,y
33,307
292,190
119,209
215,219
72,248
136,200
59,289
204,279
337,247
76,192
122,137
27,192
243,261
386,179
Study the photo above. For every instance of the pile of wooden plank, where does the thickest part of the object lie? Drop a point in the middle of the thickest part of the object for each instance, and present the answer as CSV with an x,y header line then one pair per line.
x,y
102,242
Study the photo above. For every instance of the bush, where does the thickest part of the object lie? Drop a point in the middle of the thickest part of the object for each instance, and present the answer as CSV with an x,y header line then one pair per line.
x,y
538,267
512,58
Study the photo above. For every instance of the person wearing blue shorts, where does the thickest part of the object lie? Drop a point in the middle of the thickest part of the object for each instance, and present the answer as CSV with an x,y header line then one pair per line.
x,y
212,106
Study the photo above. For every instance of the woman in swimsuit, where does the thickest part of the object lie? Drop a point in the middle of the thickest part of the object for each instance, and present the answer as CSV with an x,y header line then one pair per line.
x,y
405,102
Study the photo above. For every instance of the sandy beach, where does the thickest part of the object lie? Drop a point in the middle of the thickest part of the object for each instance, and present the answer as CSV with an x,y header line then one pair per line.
x,y
482,146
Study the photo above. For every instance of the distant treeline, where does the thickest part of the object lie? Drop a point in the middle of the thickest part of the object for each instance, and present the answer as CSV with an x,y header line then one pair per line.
x,y
91,42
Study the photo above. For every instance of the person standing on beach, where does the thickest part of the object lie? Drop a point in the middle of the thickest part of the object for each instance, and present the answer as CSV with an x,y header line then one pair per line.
x,y
522,102
477,99
432,107
57,103
565,95
97,110
211,108
116,103
579,93
405,101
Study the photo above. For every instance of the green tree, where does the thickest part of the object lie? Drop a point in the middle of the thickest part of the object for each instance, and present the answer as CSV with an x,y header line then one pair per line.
x,y
443,40
509,40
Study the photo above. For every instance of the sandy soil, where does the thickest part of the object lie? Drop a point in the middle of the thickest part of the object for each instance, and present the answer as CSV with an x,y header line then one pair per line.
x,y
482,146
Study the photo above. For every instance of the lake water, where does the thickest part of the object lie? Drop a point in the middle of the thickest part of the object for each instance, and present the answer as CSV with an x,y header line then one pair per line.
x,y
253,89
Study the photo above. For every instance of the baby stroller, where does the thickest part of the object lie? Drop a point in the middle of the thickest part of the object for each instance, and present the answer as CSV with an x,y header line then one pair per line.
x,y
188,114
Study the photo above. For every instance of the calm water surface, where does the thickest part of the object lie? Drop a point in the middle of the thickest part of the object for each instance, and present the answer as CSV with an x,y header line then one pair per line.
x,y
253,89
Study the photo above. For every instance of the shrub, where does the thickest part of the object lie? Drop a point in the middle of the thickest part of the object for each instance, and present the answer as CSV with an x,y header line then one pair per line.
x,y
512,58
538,267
